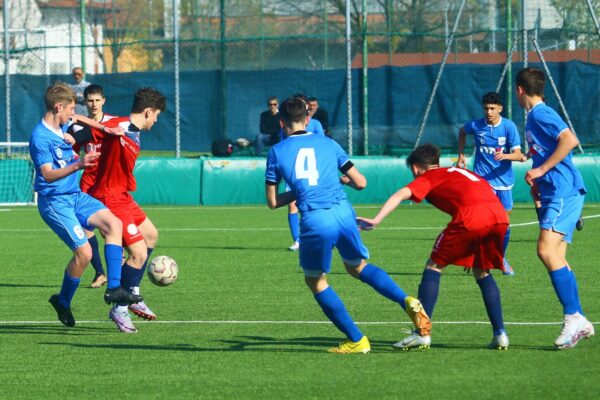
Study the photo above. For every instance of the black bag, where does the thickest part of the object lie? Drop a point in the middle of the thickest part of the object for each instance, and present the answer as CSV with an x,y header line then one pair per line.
x,y
222,148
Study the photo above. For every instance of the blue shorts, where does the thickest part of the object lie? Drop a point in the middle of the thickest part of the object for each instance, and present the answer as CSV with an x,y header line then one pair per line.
x,y
321,231
561,215
67,215
505,197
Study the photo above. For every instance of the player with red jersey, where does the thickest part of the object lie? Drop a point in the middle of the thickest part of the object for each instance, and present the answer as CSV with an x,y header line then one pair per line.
x,y
473,238
113,184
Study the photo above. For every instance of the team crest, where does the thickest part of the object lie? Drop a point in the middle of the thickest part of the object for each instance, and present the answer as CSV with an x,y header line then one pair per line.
x,y
58,152
132,229
501,141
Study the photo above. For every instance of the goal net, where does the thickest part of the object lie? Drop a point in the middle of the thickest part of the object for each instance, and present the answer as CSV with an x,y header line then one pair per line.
x,y
16,174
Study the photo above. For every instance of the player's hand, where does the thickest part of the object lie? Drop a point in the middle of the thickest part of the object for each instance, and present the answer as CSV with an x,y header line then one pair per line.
x,y
344,180
89,160
533,174
365,224
68,138
115,131
499,155
461,162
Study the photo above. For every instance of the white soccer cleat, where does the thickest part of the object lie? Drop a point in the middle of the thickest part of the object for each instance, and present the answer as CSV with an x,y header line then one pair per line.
x,y
294,247
414,341
142,310
575,327
499,342
122,319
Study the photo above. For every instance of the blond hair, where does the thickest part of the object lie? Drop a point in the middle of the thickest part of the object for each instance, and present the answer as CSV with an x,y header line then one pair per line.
x,y
59,92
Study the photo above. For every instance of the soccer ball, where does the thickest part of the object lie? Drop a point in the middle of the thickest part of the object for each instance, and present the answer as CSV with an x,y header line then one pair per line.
x,y
163,271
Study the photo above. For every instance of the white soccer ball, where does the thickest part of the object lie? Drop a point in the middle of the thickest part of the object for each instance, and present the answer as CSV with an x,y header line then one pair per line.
x,y
163,271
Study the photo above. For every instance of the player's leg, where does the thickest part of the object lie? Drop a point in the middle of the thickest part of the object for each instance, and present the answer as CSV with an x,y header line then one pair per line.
x,y
505,197
59,214
150,234
294,224
557,223
319,233
100,277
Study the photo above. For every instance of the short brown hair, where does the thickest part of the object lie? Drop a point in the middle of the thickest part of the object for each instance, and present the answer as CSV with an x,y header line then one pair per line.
x,y
59,92
424,156
292,111
532,80
148,98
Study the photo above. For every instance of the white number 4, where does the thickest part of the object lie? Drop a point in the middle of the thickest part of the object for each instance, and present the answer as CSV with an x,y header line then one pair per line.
x,y
464,172
306,166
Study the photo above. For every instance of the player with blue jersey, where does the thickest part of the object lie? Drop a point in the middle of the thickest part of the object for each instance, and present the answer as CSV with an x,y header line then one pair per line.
x,y
497,145
560,188
311,164
65,209
315,127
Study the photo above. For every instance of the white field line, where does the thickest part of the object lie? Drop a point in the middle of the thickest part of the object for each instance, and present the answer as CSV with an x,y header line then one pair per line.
x,y
392,228
259,322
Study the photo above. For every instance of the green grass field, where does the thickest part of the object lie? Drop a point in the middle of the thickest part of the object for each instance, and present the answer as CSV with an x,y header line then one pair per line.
x,y
240,323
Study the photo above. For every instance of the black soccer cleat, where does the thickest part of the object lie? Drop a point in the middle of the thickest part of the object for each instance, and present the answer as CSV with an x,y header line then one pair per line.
x,y
64,314
119,295
579,224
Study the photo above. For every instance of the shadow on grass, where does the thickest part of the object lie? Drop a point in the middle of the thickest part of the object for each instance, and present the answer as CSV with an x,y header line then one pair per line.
x,y
31,329
23,285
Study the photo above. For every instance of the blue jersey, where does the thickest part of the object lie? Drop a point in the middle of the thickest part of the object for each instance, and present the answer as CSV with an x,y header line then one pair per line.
x,y
487,140
47,146
310,164
543,128
313,126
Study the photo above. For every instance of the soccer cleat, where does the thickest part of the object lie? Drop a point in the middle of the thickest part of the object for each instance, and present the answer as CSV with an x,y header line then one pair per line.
x,y
349,347
579,224
508,270
99,280
499,342
417,314
575,327
119,295
294,247
64,314
142,310
122,319
414,341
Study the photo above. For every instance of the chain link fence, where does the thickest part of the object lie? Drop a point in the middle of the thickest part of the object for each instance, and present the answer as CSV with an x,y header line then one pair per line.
x,y
219,60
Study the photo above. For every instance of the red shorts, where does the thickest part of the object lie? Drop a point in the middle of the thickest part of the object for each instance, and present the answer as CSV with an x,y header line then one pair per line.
x,y
482,248
129,212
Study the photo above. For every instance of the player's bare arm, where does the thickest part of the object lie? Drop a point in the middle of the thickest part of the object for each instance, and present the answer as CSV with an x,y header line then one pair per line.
x,y
354,179
117,130
390,205
516,155
567,141
68,138
276,200
51,175
462,137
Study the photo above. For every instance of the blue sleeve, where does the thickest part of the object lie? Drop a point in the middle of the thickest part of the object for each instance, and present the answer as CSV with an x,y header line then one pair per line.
x,y
512,135
342,157
468,128
40,152
272,172
315,126
550,122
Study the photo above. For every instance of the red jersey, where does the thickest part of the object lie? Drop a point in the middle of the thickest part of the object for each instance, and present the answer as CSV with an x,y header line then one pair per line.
x,y
466,196
94,143
117,161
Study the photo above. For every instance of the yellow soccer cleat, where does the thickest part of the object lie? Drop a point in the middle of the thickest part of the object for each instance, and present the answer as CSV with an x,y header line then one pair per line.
x,y
349,347
417,314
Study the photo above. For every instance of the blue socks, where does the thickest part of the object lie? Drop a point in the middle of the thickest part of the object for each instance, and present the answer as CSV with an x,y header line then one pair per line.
x,y
112,256
96,260
334,309
379,280
565,287
493,305
506,240
294,224
429,290
131,277
576,291
67,291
